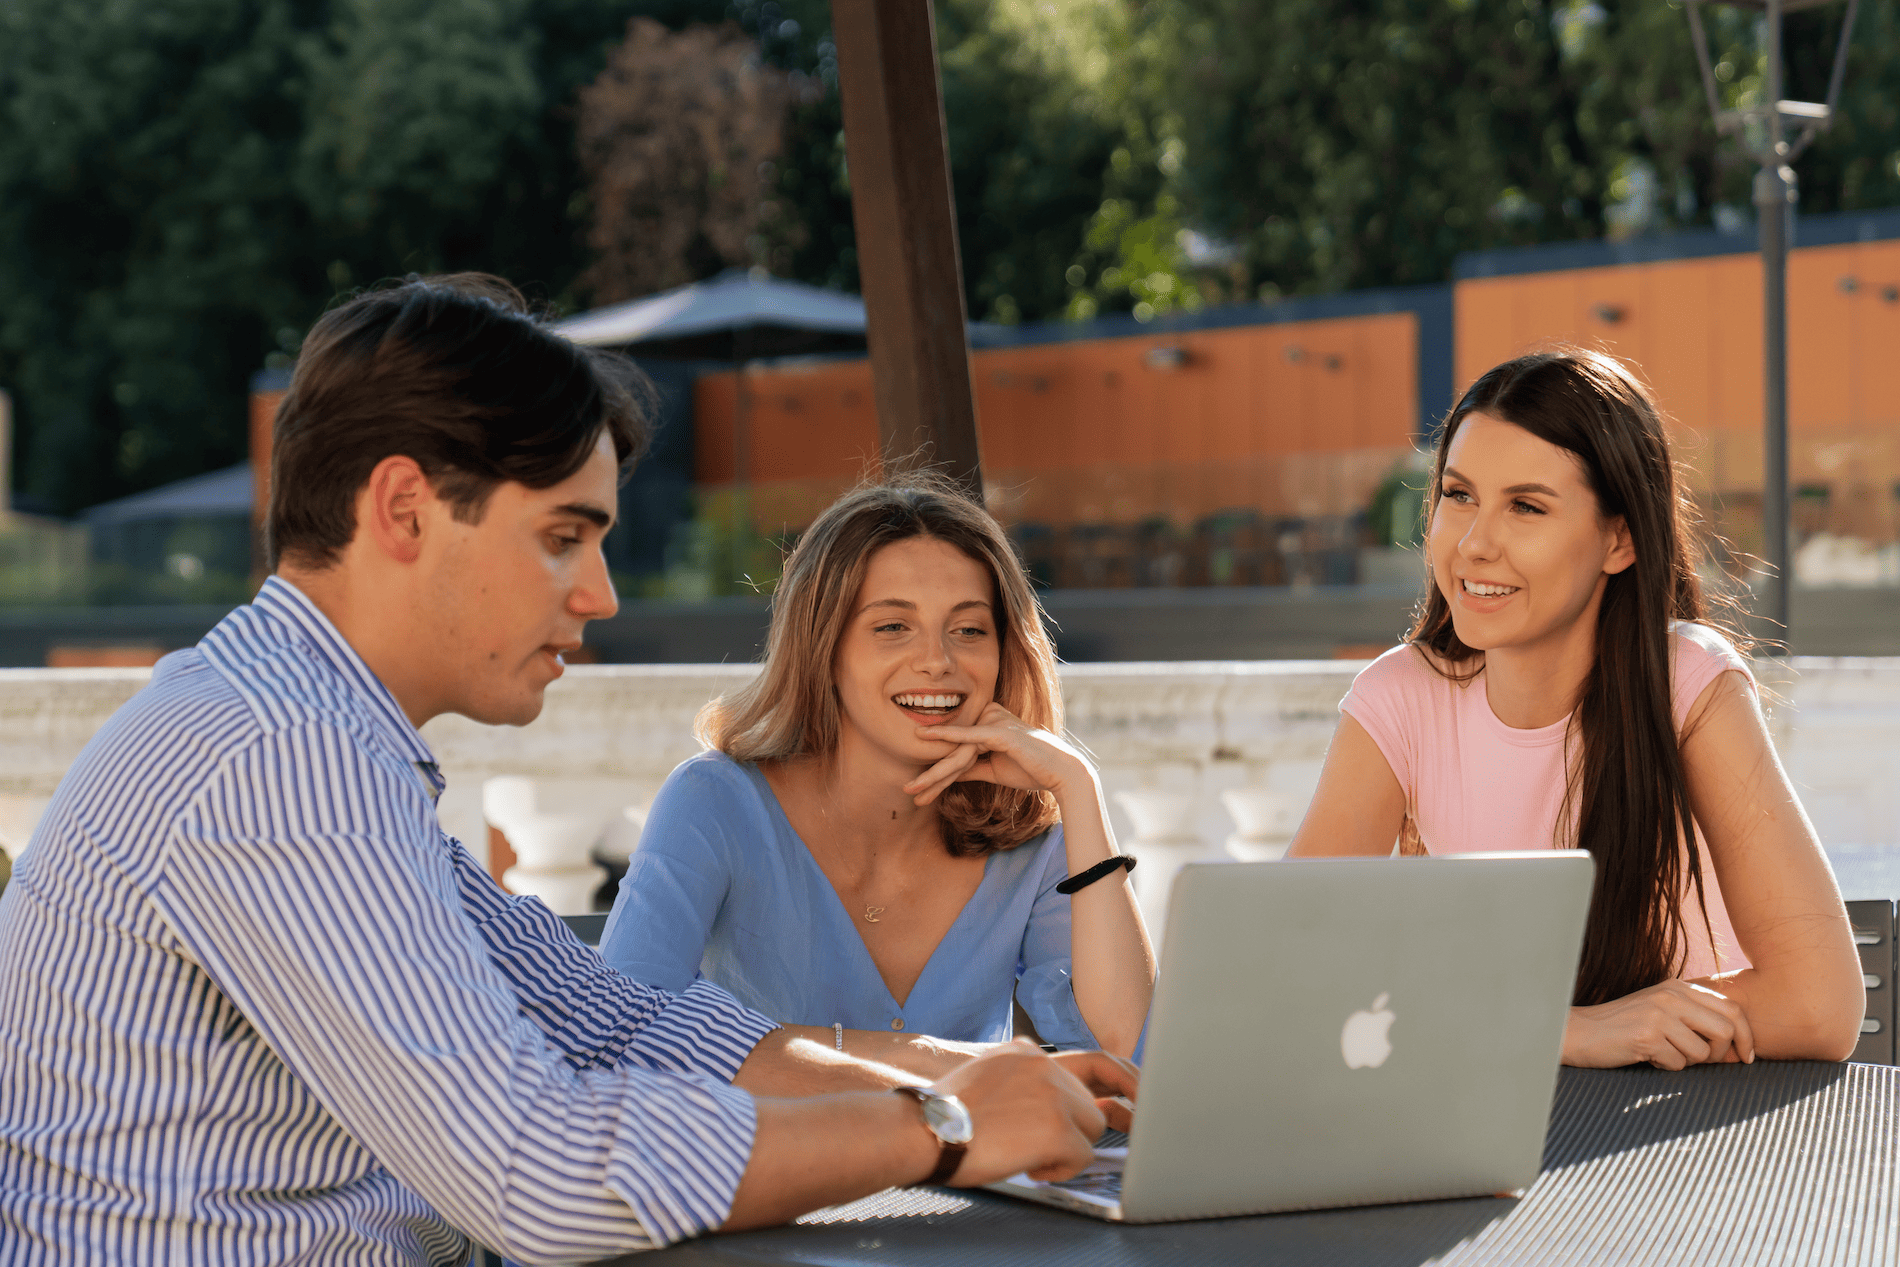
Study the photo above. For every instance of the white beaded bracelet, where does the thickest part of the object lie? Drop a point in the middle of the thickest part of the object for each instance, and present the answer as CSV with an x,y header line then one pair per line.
x,y
837,1028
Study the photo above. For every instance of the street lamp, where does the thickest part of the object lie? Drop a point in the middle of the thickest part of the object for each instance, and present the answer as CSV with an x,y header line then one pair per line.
x,y
1771,144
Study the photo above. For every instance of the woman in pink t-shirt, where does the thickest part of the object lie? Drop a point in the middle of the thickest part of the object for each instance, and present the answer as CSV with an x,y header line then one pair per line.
x,y
1562,689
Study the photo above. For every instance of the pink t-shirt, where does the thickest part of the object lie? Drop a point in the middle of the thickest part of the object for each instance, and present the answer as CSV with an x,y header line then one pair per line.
x,y
1473,784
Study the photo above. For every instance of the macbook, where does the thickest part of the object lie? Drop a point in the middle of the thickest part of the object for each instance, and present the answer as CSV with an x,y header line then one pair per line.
x,y
1346,1031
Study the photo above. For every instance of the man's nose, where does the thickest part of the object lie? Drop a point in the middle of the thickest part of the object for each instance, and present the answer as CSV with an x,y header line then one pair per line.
x,y
593,597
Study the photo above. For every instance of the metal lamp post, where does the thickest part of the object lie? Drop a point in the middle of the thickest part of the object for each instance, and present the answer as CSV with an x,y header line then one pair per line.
x,y
1783,130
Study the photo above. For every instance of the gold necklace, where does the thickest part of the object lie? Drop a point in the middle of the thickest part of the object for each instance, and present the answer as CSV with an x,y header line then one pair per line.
x,y
871,913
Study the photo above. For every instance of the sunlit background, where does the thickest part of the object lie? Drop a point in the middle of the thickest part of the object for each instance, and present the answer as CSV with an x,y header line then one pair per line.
x,y
1227,261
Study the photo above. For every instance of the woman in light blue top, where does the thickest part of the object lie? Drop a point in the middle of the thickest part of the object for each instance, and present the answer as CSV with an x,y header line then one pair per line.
x,y
875,841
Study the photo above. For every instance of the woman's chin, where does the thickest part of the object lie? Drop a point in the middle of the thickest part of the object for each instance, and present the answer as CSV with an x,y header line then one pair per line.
x,y
1476,633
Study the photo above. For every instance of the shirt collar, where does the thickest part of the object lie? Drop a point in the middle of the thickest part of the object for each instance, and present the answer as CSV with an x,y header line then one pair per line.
x,y
290,605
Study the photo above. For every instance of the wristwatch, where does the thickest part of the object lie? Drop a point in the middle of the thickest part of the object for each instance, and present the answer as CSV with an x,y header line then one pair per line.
x,y
950,1122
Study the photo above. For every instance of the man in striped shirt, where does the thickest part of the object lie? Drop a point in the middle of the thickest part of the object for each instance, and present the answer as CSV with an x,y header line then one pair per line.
x,y
256,1008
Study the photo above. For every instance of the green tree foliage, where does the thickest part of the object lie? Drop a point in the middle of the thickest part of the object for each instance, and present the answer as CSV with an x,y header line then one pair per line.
x,y
1031,135
679,137
1362,144
184,187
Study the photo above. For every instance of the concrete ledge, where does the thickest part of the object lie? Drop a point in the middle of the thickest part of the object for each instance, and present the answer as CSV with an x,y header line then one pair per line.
x,y
1187,727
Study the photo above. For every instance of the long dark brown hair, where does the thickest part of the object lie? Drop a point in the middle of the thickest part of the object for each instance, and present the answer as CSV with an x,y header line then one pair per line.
x,y
1625,791
791,709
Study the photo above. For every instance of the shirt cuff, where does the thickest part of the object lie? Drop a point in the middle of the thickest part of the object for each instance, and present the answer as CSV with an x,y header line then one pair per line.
x,y
703,1030
680,1155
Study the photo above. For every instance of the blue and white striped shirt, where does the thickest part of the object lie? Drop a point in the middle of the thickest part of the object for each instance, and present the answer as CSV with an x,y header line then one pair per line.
x,y
256,1008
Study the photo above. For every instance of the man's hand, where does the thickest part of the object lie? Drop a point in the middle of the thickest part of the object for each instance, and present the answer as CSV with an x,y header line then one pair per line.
x,y
1033,1112
1109,1078
1671,1025
1030,1112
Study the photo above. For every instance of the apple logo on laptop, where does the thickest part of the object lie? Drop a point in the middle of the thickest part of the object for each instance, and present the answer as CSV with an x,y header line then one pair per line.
x,y
1363,1041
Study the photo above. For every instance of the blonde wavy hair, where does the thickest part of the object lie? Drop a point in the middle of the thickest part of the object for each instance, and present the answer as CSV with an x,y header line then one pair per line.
x,y
792,709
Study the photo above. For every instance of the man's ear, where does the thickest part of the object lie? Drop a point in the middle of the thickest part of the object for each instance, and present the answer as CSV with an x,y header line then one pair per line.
x,y
1622,554
390,507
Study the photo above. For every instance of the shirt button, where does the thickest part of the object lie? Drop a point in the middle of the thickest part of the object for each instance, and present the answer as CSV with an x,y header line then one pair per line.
x,y
897,1022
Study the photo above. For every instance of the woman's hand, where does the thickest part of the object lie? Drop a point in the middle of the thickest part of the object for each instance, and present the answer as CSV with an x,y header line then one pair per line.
x,y
1109,954
1671,1025
1001,748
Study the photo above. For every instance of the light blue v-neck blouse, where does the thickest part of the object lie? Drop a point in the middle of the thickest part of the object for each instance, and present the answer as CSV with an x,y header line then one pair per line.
x,y
721,887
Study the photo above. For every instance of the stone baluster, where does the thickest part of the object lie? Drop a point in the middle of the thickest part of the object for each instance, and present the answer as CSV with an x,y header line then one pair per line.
x,y
1266,820
1164,841
622,834
553,828
19,817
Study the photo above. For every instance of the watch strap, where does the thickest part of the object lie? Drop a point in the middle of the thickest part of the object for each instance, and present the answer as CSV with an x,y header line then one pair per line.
x,y
949,1156
947,1162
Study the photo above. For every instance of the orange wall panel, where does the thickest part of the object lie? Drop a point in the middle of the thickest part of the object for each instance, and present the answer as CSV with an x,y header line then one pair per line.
x,y
1691,328
1679,353
1878,330
1484,327
803,422
1202,433
1735,330
1820,343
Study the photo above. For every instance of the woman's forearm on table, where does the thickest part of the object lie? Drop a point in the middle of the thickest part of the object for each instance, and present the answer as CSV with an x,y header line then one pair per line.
x,y
1807,1016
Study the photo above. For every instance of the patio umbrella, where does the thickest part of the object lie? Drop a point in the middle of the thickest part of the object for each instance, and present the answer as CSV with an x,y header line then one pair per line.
x,y
736,316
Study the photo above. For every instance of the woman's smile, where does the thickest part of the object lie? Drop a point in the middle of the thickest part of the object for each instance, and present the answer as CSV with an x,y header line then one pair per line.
x,y
929,707
1484,597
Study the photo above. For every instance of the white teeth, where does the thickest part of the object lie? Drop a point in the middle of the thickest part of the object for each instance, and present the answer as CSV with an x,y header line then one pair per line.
x,y
928,701
1479,590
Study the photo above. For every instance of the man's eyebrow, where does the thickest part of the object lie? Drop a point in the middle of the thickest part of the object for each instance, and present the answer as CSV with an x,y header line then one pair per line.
x,y
588,511
1453,473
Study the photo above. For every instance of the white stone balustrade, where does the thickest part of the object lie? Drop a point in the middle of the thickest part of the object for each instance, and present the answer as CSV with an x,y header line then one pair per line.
x,y
1195,730
554,826
1265,821
1164,842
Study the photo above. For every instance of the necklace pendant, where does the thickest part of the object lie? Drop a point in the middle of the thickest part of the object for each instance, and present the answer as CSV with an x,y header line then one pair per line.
x,y
871,913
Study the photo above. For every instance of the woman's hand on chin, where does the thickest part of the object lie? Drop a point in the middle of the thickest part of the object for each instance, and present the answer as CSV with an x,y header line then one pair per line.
x,y
1003,749
1671,1025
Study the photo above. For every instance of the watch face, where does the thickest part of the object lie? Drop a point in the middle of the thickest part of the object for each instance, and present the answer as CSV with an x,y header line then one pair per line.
x,y
948,1119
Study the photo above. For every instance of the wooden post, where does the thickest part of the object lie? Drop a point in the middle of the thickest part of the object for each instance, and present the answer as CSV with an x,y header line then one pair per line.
x,y
902,207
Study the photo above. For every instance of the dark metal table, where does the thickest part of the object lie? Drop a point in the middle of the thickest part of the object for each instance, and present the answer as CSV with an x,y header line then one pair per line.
x,y
1731,1164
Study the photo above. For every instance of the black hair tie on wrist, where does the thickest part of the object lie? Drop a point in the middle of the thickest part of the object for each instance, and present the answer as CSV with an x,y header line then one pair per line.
x,y
1076,883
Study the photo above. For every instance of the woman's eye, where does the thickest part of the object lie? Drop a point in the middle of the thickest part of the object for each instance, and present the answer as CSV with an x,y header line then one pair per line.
x,y
1529,508
890,628
974,631
1458,495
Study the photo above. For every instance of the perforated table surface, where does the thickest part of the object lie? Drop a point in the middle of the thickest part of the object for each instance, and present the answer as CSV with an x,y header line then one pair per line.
x,y
1731,1164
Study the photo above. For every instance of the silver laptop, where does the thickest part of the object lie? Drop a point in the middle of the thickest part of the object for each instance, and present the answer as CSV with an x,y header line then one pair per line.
x,y
1346,1031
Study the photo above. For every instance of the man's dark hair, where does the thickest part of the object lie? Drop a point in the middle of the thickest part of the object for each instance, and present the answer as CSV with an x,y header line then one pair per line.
x,y
456,373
